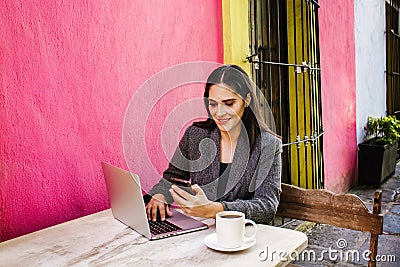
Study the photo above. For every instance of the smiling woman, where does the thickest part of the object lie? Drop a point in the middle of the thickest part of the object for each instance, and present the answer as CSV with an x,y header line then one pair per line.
x,y
227,108
243,156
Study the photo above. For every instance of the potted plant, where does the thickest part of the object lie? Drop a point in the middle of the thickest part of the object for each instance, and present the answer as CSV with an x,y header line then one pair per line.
x,y
377,155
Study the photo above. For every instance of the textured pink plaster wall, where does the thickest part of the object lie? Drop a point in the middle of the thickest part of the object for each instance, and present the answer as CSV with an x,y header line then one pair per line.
x,y
68,70
338,93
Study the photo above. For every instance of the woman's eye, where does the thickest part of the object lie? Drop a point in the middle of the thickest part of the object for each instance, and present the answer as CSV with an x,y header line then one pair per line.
x,y
229,104
212,104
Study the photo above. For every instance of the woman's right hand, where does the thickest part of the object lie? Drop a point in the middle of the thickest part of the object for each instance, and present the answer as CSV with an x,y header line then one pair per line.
x,y
158,204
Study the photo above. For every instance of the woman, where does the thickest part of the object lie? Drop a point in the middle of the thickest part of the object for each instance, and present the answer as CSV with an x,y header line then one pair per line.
x,y
232,159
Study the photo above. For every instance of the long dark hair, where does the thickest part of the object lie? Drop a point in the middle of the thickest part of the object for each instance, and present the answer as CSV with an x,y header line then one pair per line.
x,y
237,79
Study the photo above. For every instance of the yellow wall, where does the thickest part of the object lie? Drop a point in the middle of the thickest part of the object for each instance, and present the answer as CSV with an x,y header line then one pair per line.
x,y
235,14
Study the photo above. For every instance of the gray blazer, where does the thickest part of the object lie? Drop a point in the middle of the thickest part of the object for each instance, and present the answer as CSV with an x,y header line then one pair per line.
x,y
254,182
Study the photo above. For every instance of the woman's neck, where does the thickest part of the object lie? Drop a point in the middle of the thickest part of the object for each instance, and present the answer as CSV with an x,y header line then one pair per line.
x,y
228,145
232,136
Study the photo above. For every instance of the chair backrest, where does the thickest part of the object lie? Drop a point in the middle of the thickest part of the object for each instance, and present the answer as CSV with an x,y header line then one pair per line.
x,y
323,206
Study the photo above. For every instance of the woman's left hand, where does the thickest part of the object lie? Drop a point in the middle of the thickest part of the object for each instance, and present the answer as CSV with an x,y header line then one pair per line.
x,y
196,205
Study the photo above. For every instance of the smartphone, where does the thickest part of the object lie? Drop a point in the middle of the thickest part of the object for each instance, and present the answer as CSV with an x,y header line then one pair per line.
x,y
183,184
180,182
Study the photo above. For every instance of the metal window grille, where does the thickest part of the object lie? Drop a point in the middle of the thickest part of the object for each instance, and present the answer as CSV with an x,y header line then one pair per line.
x,y
286,67
393,57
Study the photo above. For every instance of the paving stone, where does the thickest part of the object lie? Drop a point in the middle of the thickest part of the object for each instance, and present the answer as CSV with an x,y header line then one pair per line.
x,y
388,195
388,250
385,207
395,209
391,223
391,184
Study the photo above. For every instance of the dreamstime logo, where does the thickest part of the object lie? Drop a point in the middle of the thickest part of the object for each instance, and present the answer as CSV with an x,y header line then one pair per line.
x,y
158,112
331,254
341,243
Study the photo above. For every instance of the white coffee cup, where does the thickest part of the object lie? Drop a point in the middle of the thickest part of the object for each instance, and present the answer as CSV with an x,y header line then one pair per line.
x,y
231,229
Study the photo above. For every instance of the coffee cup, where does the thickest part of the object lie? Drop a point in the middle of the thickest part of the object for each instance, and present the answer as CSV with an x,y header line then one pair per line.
x,y
231,229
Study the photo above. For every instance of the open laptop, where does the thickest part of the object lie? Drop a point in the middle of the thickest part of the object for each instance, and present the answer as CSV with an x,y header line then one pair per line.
x,y
127,206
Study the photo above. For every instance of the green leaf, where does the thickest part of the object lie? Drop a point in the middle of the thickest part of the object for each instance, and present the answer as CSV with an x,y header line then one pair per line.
x,y
385,129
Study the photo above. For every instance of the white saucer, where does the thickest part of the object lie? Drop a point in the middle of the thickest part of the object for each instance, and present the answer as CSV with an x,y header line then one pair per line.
x,y
211,242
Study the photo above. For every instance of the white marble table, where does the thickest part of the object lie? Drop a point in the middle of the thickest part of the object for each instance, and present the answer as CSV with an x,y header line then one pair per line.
x,y
99,239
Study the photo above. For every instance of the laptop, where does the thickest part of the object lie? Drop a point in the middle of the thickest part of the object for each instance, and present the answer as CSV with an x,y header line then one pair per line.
x,y
127,206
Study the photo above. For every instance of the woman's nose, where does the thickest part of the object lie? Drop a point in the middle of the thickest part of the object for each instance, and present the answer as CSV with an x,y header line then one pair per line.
x,y
220,110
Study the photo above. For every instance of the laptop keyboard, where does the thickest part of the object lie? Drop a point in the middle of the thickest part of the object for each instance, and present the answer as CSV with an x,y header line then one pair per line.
x,y
162,227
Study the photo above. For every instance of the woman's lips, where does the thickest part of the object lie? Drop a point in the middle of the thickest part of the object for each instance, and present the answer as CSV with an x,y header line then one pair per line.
x,y
222,121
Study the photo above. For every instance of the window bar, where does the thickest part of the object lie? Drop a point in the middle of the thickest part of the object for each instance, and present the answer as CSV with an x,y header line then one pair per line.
x,y
320,141
304,85
255,37
267,52
279,69
317,95
296,87
260,45
391,91
390,61
396,62
257,44
264,73
279,83
315,92
396,78
280,91
304,66
267,80
267,6
310,86
312,138
280,106
390,55
312,96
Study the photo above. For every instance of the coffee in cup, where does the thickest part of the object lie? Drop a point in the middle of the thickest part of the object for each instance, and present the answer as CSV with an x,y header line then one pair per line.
x,y
231,229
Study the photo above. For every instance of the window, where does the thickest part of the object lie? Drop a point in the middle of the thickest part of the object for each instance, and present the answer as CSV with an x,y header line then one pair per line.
x,y
284,41
393,57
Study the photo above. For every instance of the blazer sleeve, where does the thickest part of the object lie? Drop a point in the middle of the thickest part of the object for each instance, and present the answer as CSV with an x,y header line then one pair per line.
x,y
177,168
266,185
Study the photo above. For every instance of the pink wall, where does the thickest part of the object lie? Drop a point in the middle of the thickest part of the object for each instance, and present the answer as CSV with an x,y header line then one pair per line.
x,y
338,93
68,71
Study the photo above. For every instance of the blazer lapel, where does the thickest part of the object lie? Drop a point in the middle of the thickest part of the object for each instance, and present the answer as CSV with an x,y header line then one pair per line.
x,y
211,174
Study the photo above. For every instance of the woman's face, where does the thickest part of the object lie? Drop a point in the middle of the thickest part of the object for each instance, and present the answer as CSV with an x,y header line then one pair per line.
x,y
226,107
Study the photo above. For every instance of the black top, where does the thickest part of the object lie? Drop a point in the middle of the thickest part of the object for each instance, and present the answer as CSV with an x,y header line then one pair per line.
x,y
222,167
223,178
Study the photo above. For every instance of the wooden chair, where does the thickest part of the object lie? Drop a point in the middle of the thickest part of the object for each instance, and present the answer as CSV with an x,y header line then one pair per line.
x,y
345,211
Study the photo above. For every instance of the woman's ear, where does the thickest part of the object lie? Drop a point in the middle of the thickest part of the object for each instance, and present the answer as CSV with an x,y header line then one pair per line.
x,y
248,99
